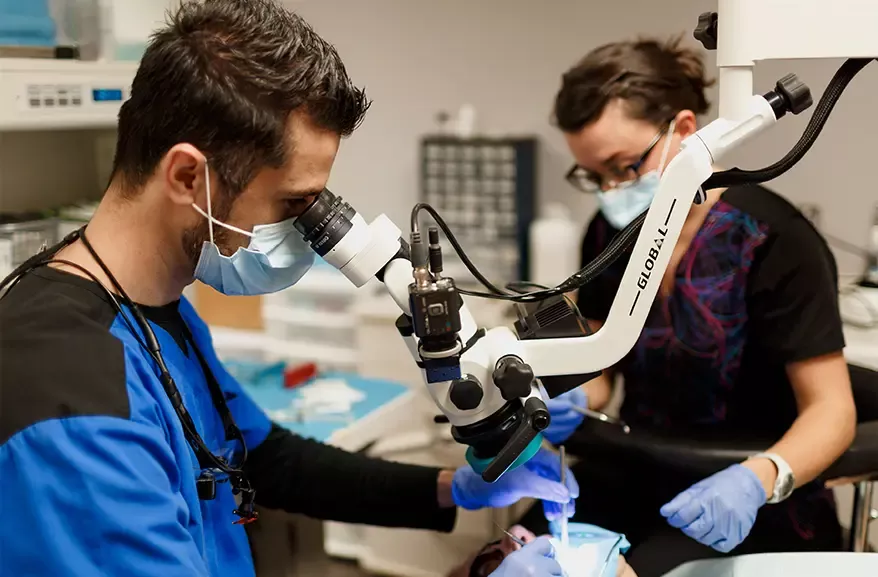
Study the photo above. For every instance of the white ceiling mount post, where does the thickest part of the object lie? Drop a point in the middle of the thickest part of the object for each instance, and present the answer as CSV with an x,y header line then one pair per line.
x,y
749,31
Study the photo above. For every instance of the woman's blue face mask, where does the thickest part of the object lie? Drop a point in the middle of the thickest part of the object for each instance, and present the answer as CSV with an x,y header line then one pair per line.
x,y
626,201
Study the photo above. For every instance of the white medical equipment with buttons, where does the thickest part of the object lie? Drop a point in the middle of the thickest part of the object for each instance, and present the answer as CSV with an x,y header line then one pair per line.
x,y
37,94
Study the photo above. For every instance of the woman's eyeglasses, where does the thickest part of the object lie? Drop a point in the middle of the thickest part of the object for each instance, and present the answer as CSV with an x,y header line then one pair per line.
x,y
587,181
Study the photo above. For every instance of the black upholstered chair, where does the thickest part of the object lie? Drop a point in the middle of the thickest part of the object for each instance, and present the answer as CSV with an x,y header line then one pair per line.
x,y
858,466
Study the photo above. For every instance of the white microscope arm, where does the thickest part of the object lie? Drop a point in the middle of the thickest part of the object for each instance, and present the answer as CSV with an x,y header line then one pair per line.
x,y
652,251
745,31
363,251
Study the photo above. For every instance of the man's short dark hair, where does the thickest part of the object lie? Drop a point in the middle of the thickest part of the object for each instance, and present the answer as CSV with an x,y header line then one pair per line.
x,y
224,76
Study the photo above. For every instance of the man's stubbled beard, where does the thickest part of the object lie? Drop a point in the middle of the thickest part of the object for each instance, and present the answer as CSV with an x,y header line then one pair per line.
x,y
194,238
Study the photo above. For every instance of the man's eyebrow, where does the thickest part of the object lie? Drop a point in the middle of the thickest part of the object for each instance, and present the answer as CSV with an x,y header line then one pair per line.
x,y
303,192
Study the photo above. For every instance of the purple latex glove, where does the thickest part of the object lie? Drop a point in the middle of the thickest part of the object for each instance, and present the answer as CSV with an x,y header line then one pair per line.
x,y
720,510
539,478
536,559
565,420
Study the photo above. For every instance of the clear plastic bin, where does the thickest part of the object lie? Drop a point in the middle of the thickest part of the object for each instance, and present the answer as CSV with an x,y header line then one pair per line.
x,y
26,237
309,301
241,348
322,289
327,359
313,326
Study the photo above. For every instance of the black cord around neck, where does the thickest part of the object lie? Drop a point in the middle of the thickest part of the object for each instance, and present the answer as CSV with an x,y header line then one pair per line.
x,y
231,429
206,459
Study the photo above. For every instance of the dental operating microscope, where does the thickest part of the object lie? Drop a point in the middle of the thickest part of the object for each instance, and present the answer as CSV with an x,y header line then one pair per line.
x,y
492,383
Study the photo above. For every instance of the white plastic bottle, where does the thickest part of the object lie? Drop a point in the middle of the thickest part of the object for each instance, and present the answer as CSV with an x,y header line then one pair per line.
x,y
466,121
555,241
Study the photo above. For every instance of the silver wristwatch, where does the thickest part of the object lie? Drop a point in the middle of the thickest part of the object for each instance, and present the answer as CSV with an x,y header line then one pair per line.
x,y
785,482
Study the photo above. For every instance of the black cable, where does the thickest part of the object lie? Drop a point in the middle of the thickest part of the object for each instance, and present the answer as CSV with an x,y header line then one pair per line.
x,y
619,245
206,458
520,288
15,276
40,260
171,389
627,237
457,248
831,95
116,305
92,277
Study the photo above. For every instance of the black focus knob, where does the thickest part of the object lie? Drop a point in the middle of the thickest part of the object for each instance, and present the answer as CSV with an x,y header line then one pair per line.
x,y
538,413
513,377
795,92
706,30
466,393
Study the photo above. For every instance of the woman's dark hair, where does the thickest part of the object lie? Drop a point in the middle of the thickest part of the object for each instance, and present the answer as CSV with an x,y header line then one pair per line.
x,y
656,80
224,76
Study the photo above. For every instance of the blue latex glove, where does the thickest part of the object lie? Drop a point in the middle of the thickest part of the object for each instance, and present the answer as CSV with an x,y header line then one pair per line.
x,y
720,510
565,420
539,478
536,559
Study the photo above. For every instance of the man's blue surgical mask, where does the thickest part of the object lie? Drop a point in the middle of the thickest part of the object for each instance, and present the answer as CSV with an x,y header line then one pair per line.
x,y
276,257
622,204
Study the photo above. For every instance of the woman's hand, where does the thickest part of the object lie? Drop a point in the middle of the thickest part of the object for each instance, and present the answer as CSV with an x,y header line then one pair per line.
x,y
720,510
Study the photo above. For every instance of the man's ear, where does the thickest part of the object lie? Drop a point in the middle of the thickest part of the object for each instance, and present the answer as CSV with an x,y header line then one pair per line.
x,y
686,124
183,171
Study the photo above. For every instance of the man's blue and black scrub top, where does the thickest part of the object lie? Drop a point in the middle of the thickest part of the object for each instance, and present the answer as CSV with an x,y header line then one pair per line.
x,y
96,477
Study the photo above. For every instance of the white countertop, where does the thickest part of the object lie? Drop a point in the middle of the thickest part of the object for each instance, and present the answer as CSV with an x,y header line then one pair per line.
x,y
862,347
858,305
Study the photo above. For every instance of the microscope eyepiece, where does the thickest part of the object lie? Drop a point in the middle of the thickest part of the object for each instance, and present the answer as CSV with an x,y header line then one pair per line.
x,y
325,222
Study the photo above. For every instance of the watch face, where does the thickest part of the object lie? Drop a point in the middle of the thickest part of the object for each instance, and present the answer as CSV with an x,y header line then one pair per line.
x,y
785,486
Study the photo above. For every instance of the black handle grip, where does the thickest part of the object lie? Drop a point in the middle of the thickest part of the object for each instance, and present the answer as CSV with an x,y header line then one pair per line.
x,y
536,419
507,455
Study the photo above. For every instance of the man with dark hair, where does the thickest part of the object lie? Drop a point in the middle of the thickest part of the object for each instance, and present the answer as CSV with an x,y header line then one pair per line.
x,y
126,448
